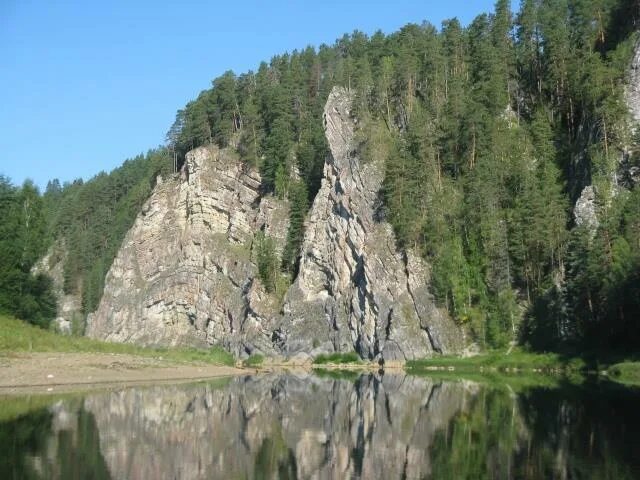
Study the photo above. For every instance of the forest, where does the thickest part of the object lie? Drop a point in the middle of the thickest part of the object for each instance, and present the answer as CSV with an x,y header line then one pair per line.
x,y
488,135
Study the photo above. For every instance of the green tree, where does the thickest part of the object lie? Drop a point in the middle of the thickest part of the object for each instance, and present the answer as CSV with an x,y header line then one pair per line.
x,y
299,204
267,261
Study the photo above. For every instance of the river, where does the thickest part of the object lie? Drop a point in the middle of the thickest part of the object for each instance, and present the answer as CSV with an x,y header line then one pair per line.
x,y
334,425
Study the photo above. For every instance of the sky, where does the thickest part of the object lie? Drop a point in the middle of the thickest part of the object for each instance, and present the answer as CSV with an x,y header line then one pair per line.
x,y
84,85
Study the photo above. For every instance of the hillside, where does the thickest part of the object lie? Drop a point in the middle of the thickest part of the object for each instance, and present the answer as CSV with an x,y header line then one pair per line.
x,y
468,185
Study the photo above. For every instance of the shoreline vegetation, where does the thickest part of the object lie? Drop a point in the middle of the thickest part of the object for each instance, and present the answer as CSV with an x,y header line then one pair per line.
x,y
21,344
17,336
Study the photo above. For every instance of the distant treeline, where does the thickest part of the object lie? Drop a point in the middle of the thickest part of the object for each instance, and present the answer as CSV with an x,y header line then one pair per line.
x,y
90,218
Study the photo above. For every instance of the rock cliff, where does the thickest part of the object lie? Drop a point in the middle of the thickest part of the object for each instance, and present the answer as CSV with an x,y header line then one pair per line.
x,y
629,174
632,91
69,305
186,272
626,173
354,287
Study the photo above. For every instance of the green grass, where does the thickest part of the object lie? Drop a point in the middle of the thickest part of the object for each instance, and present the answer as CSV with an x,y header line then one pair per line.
x,y
625,372
253,361
337,358
516,360
515,382
17,336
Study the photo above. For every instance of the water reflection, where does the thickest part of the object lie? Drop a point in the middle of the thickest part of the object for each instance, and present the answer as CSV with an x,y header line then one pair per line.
x,y
304,426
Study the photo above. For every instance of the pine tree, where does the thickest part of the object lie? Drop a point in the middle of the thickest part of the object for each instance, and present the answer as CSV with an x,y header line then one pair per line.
x,y
299,204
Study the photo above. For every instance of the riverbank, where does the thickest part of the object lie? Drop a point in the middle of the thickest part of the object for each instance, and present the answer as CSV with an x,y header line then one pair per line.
x,y
55,372
522,362
33,360
516,360
17,336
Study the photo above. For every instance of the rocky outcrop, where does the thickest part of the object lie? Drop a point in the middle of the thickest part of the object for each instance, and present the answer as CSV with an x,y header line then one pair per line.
x,y
626,173
186,273
629,171
69,305
355,289
584,211
632,91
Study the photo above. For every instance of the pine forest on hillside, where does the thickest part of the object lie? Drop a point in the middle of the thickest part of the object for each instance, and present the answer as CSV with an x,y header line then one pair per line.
x,y
487,133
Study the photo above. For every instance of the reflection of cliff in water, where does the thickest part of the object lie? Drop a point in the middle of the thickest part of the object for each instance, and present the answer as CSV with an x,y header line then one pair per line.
x,y
277,427
303,426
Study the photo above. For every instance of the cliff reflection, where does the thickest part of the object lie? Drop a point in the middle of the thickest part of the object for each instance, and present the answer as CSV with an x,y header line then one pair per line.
x,y
303,426
277,426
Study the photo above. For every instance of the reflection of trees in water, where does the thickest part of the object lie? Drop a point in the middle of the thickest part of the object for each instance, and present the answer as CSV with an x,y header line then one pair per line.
x,y
52,443
20,439
274,459
573,432
481,441
286,426
589,431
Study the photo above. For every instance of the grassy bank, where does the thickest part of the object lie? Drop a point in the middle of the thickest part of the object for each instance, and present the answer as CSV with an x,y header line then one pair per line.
x,y
253,361
17,336
337,359
515,382
500,361
526,363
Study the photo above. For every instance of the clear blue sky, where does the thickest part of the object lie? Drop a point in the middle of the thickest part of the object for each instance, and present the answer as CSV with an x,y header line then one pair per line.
x,y
85,84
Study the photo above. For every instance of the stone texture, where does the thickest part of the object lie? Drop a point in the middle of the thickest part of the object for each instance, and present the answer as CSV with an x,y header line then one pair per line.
x,y
628,175
355,290
62,326
186,274
632,90
69,306
584,211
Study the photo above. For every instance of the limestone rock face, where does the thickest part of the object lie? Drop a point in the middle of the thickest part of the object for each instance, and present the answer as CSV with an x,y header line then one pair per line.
x,y
633,86
184,274
355,290
69,306
626,175
584,211
629,171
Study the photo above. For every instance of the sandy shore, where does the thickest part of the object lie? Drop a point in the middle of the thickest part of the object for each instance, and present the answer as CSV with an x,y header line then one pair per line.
x,y
64,372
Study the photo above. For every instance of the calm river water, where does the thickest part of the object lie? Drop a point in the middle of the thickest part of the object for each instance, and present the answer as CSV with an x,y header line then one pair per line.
x,y
285,426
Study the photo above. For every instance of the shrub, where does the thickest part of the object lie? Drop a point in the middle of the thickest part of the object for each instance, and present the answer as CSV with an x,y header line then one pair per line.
x,y
254,360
